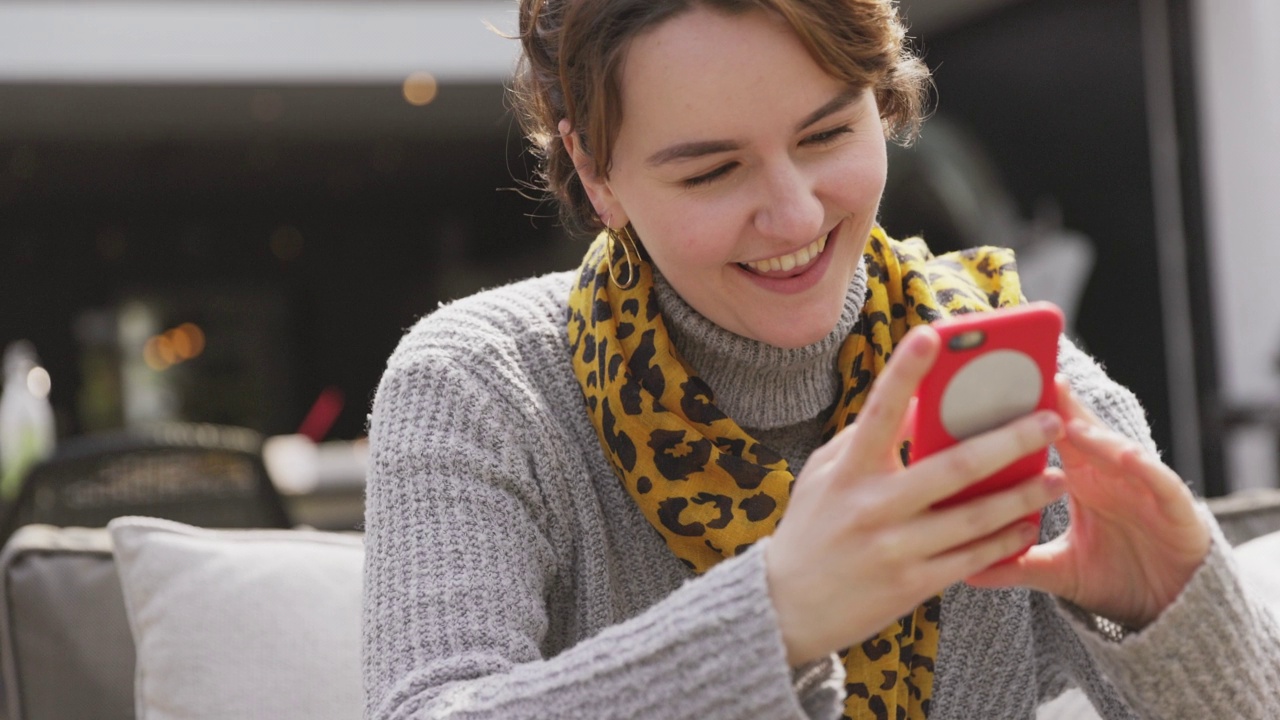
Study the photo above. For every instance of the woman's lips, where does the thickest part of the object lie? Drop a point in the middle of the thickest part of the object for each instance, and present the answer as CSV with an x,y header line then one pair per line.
x,y
797,279
791,264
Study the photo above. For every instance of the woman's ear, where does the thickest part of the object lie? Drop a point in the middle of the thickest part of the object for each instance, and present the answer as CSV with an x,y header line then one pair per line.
x,y
599,193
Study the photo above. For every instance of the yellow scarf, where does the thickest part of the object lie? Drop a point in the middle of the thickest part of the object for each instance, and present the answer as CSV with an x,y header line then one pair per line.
x,y
707,486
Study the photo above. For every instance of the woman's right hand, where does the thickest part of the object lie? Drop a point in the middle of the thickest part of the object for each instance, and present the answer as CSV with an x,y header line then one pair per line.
x,y
860,545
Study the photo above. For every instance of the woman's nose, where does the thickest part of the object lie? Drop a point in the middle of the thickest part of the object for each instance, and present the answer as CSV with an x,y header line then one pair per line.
x,y
789,209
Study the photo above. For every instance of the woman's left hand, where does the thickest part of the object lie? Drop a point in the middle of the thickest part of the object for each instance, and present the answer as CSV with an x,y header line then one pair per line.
x,y
1135,536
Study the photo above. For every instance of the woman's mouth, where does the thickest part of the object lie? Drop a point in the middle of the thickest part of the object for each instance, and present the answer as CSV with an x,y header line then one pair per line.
x,y
788,265
794,272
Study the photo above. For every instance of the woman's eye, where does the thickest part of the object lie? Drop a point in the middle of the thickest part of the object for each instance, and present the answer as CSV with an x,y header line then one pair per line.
x,y
706,178
827,136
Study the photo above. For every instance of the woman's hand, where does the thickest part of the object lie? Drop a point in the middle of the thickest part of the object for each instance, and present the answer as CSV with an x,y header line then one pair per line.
x,y
860,545
1135,537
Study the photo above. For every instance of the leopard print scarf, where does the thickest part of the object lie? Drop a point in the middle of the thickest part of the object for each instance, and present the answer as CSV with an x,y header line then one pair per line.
x,y
705,484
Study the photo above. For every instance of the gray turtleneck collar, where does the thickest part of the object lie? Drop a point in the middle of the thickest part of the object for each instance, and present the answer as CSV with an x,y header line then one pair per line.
x,y
756,384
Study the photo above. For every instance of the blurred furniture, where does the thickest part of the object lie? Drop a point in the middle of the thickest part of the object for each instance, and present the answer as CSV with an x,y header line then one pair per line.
x,y
322,483
156,619
205,475
67,651
336,509
1247,514
99,623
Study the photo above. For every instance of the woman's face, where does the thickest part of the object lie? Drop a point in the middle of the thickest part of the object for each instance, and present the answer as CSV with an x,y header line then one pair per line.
x,y
750,175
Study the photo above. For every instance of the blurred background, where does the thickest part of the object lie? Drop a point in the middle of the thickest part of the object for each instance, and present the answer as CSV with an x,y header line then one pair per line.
x,y
227,212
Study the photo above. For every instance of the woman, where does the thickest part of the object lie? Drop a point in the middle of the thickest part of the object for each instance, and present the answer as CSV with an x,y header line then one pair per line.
x,y
575,479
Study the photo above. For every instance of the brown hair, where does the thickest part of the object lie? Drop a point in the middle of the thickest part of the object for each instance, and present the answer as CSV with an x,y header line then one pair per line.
x,y
573,49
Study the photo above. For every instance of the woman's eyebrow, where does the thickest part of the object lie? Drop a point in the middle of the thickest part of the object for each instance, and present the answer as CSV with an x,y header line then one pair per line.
x,y
686,151
832,106
699,148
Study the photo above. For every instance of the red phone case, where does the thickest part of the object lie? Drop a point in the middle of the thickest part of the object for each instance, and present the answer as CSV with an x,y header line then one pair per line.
x,y
993,367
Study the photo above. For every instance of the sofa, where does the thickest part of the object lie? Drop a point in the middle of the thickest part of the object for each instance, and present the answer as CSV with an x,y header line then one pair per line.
x,y
158,620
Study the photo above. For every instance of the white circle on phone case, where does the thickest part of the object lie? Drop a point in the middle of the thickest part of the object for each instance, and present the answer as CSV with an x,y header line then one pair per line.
x,y
989,391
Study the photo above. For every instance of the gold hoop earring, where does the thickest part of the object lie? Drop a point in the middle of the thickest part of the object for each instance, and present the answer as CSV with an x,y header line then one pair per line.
x,y
628,251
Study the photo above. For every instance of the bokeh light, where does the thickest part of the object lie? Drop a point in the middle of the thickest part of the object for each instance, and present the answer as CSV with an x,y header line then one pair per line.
x,y
194,338
420,88
173,346
38,382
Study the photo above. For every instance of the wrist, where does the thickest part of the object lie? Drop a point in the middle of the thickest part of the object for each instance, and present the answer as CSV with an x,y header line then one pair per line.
x,y
1111,630
795,623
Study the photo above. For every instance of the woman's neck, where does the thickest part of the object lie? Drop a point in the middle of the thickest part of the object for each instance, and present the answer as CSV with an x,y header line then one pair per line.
x,y
759,385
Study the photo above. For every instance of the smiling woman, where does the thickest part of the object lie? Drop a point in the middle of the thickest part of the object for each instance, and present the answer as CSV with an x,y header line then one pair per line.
x,y
754,185
577,481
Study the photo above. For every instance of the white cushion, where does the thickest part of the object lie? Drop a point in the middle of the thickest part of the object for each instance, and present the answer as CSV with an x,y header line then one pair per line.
x,y
241,623
1259,561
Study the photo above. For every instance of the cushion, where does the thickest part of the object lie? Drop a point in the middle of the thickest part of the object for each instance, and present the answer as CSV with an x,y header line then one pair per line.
x,y
1259,561
241,623
64,635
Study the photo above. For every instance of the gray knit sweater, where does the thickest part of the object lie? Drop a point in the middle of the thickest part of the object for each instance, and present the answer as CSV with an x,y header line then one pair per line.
x,y
509,575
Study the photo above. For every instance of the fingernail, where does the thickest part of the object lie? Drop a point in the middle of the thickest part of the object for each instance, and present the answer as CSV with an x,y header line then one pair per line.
x,y
919,345
1055,484
1081,427
1051,424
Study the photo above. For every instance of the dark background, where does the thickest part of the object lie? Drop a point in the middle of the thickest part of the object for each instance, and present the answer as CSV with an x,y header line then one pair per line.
x,y
1054,91
306,238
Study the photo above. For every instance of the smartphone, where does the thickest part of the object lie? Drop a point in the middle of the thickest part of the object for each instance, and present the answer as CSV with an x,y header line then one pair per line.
x,y
993,367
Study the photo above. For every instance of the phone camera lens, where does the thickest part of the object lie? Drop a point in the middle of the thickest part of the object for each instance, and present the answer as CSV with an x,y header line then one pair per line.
x,y
968,340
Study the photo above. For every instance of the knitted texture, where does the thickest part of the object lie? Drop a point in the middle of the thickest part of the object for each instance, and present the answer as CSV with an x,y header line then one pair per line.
x,y
508,574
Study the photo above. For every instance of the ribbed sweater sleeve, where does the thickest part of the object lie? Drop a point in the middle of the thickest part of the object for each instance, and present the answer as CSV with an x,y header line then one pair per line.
x,y
462,553
1215,652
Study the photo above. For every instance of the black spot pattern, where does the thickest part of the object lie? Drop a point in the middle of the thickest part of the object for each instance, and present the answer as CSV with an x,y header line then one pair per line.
x,y
876,648
601,312
615,363
927,314
758,507
733,446
669,515
890,679
858,382
675,458
643,371
745,473
619,443
878,708
765,455
697,402
723,504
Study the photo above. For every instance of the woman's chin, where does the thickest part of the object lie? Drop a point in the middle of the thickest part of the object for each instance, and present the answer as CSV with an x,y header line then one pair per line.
x,y
789,334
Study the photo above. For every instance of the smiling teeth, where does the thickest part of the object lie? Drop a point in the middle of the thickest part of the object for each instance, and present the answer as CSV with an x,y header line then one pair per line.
x,y
796,259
